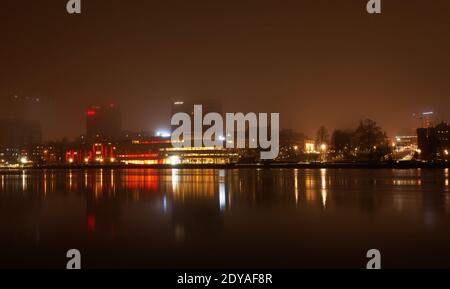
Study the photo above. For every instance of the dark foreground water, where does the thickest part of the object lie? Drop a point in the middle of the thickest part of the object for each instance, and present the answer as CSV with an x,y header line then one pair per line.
x,y
285,218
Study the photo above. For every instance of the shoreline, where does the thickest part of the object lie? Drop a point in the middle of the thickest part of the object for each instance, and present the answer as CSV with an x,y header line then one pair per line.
x,y
383,165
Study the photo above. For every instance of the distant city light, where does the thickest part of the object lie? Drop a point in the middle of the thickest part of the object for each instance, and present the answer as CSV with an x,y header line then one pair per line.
x,y
24,160
162,133
310,146
91,113
174,160
179,103
323,147
427,113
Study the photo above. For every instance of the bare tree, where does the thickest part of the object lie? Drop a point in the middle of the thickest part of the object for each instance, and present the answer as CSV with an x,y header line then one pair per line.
x,y
369,135
322,136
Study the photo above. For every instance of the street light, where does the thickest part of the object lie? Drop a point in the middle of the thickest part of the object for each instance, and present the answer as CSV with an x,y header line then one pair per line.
x,y
323,148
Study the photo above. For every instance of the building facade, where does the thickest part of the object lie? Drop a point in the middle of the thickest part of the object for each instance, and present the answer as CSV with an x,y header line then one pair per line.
x,y
433,142
103,123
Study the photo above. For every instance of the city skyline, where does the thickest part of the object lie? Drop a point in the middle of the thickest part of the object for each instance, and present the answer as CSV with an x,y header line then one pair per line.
x,y
29,109
224,142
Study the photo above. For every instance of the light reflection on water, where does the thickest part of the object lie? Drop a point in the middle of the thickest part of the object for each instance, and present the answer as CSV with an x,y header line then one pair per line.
x,y
230,218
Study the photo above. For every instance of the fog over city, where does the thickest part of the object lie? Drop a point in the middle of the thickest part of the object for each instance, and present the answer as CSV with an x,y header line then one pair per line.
x,y
315,62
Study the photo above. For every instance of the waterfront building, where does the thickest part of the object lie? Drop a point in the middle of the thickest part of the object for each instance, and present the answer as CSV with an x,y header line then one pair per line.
x,y
434,142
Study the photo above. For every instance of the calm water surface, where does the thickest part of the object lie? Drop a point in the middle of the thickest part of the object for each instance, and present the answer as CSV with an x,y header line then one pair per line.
x,y
284,218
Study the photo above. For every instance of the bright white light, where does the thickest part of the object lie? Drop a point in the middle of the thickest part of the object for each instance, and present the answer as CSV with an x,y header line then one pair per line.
x,y
174,160
112,160
70,160
162,133
24,160
221,138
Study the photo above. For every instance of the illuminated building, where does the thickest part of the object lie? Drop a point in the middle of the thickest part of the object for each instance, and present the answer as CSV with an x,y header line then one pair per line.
x,y
434,142
442,133
425,119
140,159
310,146
159,150
199,155
404,143
12,156
142,151
47,154
404,147
103,123
97,153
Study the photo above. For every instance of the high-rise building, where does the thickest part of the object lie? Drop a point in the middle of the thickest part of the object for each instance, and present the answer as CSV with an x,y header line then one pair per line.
x,y
103,123
426,119
18,127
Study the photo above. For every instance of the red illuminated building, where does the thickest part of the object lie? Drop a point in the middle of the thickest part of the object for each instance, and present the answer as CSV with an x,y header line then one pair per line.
x,y
97,153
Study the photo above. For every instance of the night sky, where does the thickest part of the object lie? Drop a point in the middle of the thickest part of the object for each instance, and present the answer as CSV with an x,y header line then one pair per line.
x,y
316,62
